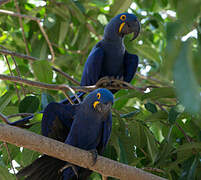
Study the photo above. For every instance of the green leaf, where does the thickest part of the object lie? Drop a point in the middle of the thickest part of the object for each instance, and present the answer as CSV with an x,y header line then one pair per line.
x,y
29,104
138,135
4,173
5,99
123,155
157,93
50,20
13,152
28,156
64,25
189,146
43,71
189,168
120,6
36,128
151,107
76,11
160,115
152,146
187,88
172,116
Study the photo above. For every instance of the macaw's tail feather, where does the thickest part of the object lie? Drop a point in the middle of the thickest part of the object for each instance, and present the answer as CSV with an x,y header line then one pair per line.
x,y
49,168
43,168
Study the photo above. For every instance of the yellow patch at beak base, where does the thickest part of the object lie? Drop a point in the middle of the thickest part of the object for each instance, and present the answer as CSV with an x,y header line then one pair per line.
x,y
121,26
95,103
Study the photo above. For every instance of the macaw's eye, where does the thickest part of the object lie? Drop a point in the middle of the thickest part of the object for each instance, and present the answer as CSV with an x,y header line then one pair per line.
x,y
123,17
98,95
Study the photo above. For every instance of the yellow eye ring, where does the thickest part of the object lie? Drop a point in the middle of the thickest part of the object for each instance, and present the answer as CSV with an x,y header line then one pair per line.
x,y
98,95
123,17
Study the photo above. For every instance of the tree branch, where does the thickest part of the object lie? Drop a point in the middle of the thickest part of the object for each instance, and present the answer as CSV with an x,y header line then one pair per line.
x,y
51,147
4,118
61,87
19,114
4,2
34,19
66,75
18,15
23,56
21,25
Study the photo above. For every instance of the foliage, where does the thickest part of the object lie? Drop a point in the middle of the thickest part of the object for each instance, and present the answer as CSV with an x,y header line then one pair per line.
x,y
158,129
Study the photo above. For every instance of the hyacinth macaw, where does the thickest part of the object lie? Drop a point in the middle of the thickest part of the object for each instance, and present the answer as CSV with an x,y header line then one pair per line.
x,y
86,125
109,56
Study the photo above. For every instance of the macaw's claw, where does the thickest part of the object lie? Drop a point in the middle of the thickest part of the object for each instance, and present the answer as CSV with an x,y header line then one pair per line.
x,y
94,153
69,165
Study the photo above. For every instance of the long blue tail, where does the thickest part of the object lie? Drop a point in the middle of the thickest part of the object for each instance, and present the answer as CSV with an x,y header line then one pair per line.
x,y
26,120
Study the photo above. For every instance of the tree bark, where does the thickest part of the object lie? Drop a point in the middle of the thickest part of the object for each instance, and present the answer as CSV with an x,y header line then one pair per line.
x,y
51,147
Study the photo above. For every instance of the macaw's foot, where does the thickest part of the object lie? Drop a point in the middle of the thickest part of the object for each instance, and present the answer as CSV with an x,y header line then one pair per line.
x,y
110,81
69,165
94,153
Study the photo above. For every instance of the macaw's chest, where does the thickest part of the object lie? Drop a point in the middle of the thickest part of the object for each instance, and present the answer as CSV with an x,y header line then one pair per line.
x,y
113,63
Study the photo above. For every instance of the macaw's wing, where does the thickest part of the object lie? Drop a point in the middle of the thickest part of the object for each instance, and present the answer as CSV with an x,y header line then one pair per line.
x,y
56,124
93,66
57,120
130,66
106,131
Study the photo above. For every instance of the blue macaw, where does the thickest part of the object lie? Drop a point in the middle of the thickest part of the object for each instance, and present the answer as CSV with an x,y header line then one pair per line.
x,y
109,56
86,125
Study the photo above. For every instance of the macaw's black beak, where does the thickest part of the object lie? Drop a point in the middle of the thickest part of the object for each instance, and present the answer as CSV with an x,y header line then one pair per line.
x,y
104,108
131,27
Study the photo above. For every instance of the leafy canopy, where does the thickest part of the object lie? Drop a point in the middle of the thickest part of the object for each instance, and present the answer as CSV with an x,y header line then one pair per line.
x,y
158,128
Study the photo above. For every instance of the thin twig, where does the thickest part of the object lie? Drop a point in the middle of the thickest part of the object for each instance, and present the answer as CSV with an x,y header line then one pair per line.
x,y
154,170
19,114
11,13
4,118
152,79
91,28
9,156
178,126
11,73
40,26
66,75
21,25
47,40
183,132
62,87
23,56
18,73
4,2
32,59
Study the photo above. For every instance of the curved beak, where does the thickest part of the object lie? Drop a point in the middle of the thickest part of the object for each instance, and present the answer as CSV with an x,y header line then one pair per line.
x,y
104,108
130,27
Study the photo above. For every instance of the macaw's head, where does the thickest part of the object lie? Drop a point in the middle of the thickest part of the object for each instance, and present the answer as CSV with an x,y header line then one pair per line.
x,y
121,25
100,100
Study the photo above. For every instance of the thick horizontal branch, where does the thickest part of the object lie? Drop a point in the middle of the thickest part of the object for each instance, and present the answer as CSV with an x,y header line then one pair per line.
x,y
104,166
